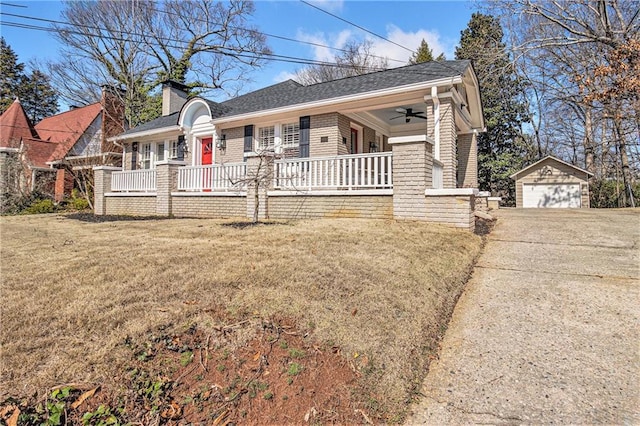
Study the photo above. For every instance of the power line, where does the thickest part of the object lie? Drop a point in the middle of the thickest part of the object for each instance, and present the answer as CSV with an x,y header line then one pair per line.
x,y
231,51
311,43
13,5
357,26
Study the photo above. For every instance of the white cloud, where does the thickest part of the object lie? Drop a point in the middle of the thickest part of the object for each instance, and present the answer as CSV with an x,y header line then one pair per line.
x,y
321,53
410,40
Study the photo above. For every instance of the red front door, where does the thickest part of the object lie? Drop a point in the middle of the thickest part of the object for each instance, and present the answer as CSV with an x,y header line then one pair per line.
x,y
207,158
207,151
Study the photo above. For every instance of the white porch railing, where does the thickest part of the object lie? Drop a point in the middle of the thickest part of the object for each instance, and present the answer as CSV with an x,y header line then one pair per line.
x,y
215,177
437,175
134,181
360,171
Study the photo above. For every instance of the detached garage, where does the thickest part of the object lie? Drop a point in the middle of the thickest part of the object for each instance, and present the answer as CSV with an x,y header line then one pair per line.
x,y
552,183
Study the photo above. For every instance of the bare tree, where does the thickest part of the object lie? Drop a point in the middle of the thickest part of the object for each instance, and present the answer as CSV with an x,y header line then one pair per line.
x,y
357,58
580,58
135,45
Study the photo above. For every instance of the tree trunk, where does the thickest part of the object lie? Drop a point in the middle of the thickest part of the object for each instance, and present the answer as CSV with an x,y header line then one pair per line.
x,y
589,151
624,160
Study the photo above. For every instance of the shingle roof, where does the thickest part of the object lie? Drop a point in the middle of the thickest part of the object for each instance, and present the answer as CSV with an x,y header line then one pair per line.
x,y
15,126
67,128
289,93
156,123
38,152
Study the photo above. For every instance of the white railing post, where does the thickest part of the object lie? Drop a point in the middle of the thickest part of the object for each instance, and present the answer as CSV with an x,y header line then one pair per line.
x,y
351,172
213,177
134,181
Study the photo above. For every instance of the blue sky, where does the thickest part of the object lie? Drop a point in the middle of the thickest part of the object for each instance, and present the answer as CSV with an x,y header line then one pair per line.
x,y
404,22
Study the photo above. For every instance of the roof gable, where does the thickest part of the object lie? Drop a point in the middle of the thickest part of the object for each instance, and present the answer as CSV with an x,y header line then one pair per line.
x,y
15,126
548,158
67,128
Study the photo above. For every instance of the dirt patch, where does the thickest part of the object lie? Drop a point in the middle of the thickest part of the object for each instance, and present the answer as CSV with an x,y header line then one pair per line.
x,y
248,371
484,226
92,218
350,284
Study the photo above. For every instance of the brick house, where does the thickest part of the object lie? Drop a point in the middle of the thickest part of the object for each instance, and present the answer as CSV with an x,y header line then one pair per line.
x,y
399,143
48,152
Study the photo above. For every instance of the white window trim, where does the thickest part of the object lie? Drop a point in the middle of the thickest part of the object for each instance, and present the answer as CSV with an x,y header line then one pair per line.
x,y
258,137
143,160
278,137
294,145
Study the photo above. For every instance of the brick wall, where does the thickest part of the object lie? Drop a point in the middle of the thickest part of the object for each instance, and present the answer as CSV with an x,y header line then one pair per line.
x,y
132,206
412,167
448,143
344,130
324,125
210,206
369,136
345,206
235,146
456,211
467,161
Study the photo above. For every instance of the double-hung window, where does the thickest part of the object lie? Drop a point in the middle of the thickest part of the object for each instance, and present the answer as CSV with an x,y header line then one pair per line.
x,y
173,150
266,136
160,151
290,135
145,156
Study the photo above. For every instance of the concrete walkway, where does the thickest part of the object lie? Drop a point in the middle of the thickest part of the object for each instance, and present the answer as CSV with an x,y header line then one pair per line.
x,y
548,329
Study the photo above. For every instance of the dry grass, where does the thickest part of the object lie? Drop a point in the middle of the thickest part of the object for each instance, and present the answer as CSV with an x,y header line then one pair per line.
x,y
73,291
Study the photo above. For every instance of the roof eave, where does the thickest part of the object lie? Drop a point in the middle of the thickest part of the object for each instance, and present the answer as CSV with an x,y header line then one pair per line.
x,y
513,176
342,99
150,132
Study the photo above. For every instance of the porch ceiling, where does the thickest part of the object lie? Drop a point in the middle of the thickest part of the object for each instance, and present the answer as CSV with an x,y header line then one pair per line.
x,y
386,119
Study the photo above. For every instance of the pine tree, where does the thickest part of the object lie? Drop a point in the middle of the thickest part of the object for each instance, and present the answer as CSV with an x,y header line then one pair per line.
x,y
423,54
34,90
502,149
38,98
11,75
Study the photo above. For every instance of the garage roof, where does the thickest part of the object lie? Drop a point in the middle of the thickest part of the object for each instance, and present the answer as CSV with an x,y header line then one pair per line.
x,y
548,157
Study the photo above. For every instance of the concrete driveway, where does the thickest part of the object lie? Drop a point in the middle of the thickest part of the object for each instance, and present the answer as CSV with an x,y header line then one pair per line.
x,y
548,328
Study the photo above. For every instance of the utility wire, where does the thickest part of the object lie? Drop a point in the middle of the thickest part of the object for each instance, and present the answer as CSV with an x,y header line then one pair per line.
x,y
230,51
311,43
13,5
357,26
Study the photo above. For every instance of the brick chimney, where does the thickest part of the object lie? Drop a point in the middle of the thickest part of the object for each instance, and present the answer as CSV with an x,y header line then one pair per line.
x,y
113,117
174,96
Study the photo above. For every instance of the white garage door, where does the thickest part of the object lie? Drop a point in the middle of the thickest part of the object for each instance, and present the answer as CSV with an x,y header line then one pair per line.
x,y
549,195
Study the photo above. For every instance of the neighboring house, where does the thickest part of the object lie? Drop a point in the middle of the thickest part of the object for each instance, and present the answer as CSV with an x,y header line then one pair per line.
x,y
397,143
552,183
42,157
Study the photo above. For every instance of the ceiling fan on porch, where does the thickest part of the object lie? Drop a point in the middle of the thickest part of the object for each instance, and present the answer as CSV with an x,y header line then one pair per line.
x,y
408,113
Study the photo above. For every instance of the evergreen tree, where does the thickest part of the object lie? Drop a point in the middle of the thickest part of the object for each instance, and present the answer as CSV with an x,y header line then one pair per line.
x,y
502,149
38,98
423,54
11,75
34,90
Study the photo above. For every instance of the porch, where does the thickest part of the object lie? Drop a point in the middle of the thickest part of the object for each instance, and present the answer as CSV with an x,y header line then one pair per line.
x,y
384,185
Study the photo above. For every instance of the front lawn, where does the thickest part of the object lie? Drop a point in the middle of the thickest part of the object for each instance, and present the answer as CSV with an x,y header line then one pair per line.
x,y
81,301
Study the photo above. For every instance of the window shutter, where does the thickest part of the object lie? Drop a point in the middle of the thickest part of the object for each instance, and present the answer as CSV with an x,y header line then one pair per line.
x,y
134,155
305,126
248,138
180,148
